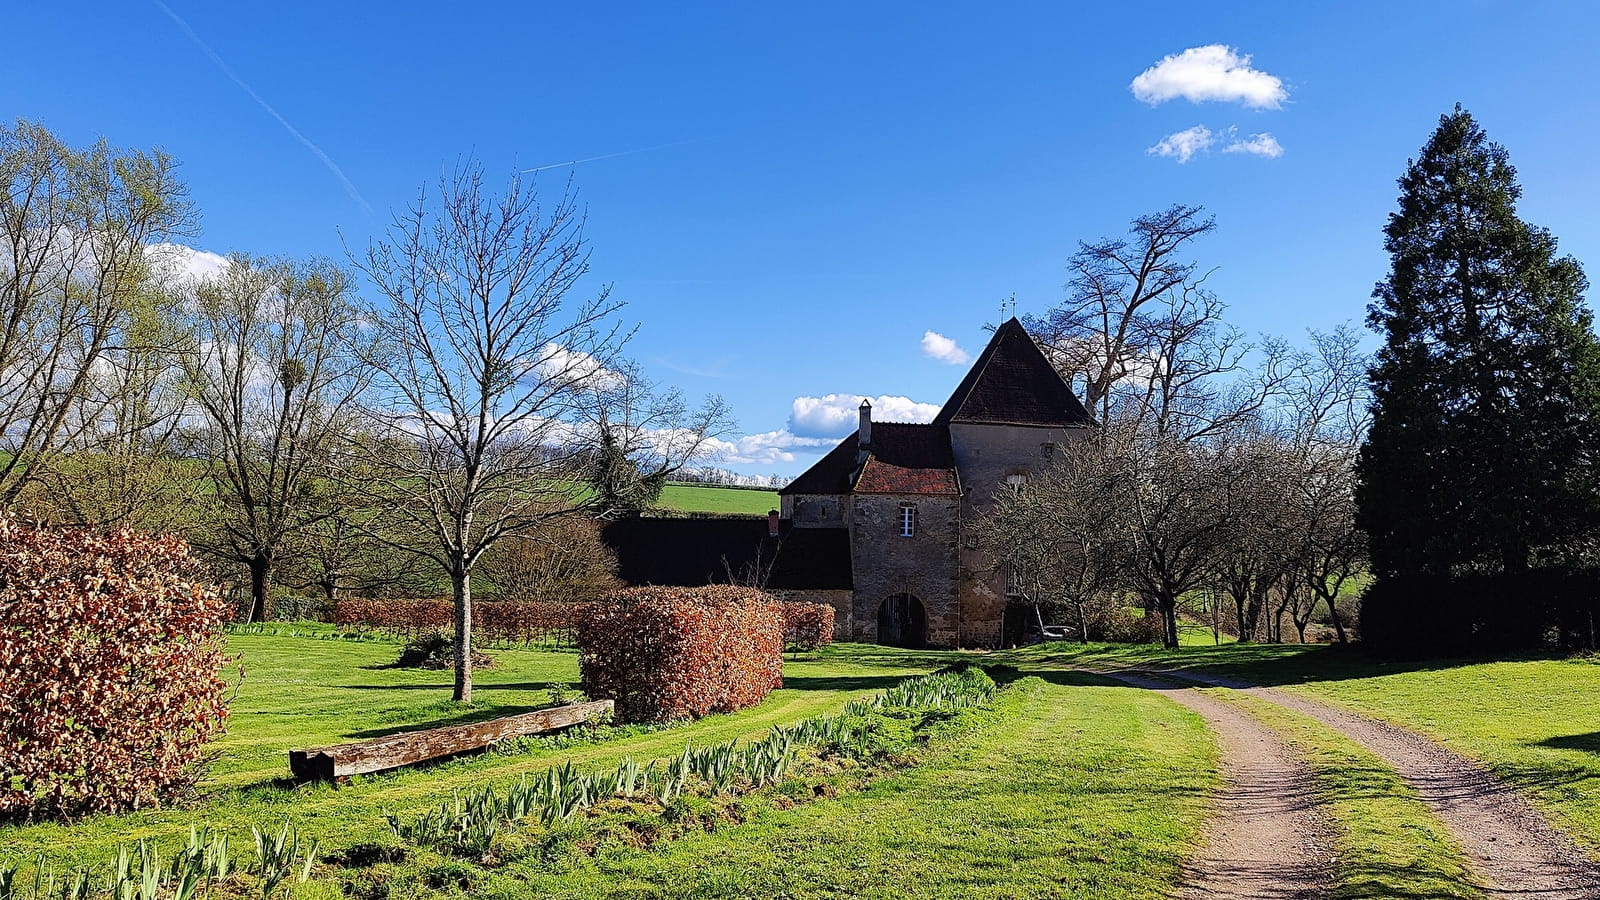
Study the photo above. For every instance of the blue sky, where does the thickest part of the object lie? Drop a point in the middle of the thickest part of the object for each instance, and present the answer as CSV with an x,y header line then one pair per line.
x,y
818,186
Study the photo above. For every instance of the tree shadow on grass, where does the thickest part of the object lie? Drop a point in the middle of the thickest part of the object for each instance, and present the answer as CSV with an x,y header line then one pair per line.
x,y
447,686
1265,665
1589,743
841,682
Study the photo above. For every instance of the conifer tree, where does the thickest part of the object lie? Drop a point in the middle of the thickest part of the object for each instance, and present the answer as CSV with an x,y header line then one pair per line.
x,y
1481,456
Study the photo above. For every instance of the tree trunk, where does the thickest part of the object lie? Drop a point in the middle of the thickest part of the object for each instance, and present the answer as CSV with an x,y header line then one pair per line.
x,y
461,584
1038,615
1336,619
1169,622
260,586
1083,625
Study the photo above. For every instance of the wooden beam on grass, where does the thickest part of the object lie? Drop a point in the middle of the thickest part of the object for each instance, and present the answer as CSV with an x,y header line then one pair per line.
x,y
410,747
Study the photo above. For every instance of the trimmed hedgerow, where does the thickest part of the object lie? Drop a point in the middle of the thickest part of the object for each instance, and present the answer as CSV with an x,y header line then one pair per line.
x,y
807,626
664,654
493,622
110,670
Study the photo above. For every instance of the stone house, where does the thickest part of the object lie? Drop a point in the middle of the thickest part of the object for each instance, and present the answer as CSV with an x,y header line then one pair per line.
x,y
878,527
906,493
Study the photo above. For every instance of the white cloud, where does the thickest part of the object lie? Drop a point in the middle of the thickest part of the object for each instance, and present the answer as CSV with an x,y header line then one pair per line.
x,y
836,415
1182,145
180,262
1262,144
560,364
945,350
764,449
1212,72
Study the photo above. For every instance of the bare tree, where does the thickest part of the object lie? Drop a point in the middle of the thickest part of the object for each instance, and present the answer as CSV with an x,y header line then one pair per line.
x,y
1063,535
564,561
272,378
1123,295
493,378
74,228
1330,412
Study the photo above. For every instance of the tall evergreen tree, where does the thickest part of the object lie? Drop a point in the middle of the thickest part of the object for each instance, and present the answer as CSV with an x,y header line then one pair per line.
x,y
1481,455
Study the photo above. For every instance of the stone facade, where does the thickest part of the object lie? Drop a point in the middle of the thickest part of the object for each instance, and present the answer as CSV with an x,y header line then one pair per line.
x,y
932,586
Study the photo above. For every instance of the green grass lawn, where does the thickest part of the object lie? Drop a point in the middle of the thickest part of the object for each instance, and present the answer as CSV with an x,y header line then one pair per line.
x,y
709,498
1533,722
306,692
1071,788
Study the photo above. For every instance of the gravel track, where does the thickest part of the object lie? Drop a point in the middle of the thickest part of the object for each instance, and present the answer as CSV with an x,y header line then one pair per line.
x,y
1512,848
1266,836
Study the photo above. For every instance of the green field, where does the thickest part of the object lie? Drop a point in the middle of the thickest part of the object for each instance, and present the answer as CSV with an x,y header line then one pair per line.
x,y
1068,785
708,498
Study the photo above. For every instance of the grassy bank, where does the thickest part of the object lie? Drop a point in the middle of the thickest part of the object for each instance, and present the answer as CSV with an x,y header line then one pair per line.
x,y
1533,722
1066,787
302,692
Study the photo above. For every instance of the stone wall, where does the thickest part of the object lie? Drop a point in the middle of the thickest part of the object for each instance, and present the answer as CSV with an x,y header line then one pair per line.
x,y
924,565
816,510
985,456
839,600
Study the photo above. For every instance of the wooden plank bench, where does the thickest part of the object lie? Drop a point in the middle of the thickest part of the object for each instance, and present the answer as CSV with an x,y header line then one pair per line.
x,y
395,750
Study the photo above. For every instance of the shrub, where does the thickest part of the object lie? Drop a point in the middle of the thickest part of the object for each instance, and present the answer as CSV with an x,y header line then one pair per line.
x,y
807,626
436,650
674,653
110,661
1482,614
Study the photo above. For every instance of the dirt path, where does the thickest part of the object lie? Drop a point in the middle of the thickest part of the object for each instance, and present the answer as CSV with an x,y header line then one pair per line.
x,y
1266,837
1511,846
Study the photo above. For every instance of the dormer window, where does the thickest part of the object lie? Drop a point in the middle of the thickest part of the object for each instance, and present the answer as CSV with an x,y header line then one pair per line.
x,y
908,520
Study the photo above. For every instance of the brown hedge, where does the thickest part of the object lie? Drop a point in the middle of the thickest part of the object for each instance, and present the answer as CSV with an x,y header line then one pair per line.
x,y
677,653
110,670
807,626
493,622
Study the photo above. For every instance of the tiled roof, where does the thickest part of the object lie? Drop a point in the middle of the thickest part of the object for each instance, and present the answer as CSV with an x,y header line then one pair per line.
x,y
909,459
689,552
882,478
1012,383
903,459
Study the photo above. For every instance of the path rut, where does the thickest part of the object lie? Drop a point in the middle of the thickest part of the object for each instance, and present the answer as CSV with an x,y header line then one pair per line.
x,y
1512,848
1266,836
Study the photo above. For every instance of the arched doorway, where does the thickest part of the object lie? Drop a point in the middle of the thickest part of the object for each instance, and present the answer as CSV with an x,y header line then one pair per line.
x,y
902,622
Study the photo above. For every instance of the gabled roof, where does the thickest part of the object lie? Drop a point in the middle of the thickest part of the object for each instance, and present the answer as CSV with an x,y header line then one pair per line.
x,y
903,459
1012,383
828,475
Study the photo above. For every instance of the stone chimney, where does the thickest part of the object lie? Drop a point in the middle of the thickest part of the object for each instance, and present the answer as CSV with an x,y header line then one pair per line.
x,y
864,433
772,523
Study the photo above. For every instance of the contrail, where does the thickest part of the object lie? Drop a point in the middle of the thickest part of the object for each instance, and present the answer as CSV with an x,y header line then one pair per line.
x,y
333,167
573,162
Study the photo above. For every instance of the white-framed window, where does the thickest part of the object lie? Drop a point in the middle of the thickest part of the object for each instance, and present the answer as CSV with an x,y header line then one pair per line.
x,y
908,520
1014,483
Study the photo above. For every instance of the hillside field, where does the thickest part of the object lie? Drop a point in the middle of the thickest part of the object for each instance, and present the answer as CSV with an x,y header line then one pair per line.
x,y
710,498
